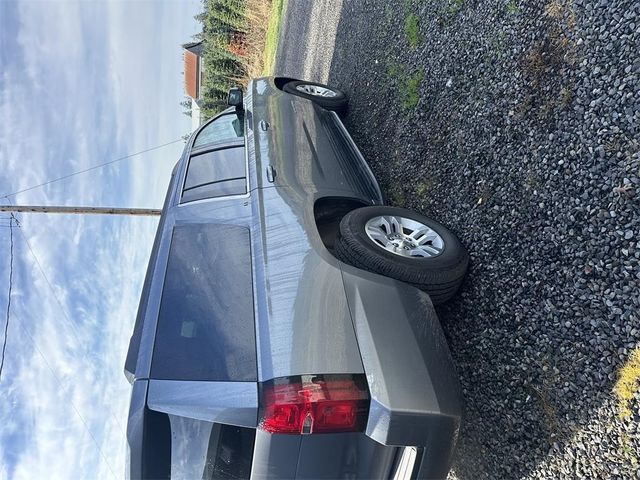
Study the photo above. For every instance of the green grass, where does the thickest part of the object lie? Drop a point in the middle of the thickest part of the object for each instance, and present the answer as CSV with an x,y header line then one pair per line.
x,y
278,8
512,7
410,85
394,69
423,188
396,195
455,6
412,30
628,384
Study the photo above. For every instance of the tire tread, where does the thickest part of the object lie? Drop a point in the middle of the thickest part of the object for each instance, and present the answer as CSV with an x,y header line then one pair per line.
x,y
441,282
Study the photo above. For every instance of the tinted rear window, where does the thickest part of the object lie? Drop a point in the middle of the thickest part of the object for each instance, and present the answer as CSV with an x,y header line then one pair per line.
x,y
215,174
206,325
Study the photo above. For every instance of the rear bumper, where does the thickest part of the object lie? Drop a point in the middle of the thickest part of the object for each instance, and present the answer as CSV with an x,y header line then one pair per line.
x,y
415,398
330,456
415,393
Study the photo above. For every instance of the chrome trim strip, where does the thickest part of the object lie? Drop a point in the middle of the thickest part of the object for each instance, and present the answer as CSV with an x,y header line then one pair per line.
x,y
405,466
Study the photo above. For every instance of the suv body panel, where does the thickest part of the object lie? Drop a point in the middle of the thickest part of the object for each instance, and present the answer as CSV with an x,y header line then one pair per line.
x,y
304,324
233,403
306,146
313,314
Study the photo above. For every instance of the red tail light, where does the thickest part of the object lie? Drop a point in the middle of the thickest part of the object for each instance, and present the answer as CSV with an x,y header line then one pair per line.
x,y
314,404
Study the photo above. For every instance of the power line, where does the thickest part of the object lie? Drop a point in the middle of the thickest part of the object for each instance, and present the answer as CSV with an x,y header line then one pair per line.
x,y
95,167
8,316
63,310
46,279
75,409
44,358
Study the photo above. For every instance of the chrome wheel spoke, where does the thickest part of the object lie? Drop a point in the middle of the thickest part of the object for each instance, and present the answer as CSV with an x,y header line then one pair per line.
x,y
429,250
376,234
420,233
391,224
316,90
396,224
429,237
419,241
384,221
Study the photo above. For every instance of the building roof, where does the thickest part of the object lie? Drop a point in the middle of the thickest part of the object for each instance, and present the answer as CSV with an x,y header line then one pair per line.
x,y
195,47
188,45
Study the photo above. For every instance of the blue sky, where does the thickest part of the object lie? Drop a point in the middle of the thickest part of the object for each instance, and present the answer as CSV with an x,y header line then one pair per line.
x,y
80,83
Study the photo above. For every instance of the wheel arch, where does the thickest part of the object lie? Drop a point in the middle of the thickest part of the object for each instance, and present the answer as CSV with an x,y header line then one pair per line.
x,y
280,82
329,211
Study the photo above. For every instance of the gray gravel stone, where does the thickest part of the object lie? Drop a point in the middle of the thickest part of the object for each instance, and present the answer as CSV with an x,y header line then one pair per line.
x,y
523,156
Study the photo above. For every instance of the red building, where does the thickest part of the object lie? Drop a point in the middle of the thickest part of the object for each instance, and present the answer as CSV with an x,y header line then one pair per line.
x,y
193,69
193,75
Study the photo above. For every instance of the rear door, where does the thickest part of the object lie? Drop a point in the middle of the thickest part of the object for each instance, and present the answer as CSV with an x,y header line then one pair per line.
x,y
299,145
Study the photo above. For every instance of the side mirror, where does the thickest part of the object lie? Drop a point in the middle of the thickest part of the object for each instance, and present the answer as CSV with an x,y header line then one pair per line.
x,y
235,98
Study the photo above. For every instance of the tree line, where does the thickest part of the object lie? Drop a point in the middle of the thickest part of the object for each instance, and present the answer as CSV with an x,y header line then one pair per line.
x,y
225,24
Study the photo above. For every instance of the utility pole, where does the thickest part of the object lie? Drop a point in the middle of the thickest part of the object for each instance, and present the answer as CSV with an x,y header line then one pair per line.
x,y
148,212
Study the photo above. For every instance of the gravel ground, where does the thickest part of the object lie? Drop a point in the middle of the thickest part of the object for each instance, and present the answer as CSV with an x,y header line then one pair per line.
x,y
516,123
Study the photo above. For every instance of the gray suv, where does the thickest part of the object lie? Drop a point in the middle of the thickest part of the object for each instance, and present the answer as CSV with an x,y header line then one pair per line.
x,y
286,327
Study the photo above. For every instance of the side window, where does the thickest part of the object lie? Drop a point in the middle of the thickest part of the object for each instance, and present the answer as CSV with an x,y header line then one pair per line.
x,y
215,174
206,328
226,128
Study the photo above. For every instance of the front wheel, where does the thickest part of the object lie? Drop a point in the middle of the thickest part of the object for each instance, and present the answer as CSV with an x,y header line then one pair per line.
x,y
327,97
404,245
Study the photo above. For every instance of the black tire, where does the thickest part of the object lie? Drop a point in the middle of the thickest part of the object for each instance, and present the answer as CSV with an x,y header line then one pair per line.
x,y
337,104
440,276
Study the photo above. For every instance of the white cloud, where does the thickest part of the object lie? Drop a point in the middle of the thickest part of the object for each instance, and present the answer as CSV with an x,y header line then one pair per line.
x,y
88,388
90,81
51,106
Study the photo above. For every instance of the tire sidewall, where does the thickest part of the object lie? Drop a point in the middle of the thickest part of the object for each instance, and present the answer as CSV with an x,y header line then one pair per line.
x,y
337,102
353,225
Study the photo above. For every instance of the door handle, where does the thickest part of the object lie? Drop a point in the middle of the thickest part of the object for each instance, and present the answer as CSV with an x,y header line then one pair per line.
x,y
271,173
264,126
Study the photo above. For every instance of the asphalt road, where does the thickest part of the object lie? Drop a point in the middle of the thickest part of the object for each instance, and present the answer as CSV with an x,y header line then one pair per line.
x,y
307,39
515,123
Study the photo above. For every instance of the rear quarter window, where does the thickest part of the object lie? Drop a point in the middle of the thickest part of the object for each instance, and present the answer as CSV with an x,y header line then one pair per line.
x,y
215,173
206,325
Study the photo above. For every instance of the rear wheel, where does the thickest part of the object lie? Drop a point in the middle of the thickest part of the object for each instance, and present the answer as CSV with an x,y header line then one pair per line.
x,y
327,97
404,245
